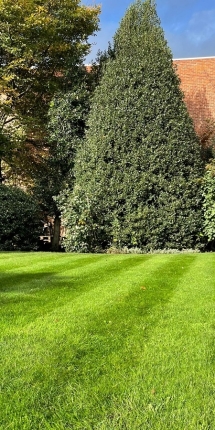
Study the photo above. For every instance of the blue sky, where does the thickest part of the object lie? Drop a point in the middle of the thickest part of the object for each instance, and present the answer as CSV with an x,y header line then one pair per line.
x,y
189,25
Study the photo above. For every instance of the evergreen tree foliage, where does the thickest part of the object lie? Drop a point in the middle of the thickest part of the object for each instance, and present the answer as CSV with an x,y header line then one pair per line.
x,y
66,128
138,172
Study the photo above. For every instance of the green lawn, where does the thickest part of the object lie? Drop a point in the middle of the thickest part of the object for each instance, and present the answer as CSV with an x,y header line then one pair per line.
x,y
107,342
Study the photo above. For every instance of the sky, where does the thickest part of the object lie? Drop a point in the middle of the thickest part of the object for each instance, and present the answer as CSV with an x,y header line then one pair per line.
x,y
189,26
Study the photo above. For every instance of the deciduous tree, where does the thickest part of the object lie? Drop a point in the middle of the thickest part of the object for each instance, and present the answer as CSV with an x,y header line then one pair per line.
x,y
43,44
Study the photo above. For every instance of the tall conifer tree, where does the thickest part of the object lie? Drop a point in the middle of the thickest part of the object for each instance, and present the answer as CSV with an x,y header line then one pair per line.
x,y
137,174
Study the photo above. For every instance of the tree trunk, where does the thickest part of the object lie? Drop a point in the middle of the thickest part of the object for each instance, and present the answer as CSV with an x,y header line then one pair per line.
x,y
56,234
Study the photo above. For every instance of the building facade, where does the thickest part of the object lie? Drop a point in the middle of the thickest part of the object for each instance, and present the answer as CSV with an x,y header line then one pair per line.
x,y
197,76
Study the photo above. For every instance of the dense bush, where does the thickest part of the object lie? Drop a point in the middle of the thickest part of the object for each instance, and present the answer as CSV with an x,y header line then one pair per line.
x,y
19,220
138,172
209,205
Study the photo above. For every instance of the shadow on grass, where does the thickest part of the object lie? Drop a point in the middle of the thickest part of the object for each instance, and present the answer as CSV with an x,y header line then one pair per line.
x,y
96,355
11,282
42,292
28,282
48,286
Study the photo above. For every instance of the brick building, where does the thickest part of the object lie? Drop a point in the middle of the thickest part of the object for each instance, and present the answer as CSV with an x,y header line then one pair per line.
x,y
197,77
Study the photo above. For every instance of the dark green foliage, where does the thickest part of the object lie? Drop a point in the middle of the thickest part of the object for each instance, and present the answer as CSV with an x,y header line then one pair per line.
x,y
67,121
66,129
209,205
98,67
19,220
138,173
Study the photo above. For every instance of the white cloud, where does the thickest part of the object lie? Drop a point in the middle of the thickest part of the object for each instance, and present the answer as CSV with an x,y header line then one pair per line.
x,y
182,47
202,27
197,40
188,35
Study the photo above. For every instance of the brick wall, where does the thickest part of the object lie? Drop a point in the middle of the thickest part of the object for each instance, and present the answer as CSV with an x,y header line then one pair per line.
x,y
197,77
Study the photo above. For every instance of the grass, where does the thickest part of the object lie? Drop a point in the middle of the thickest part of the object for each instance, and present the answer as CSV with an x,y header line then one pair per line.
x,y
107,342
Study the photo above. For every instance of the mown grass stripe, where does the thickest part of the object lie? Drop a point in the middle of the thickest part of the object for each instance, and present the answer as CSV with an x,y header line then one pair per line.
x,y
128,348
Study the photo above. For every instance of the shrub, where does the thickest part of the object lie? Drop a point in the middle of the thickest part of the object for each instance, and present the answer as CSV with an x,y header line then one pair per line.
x,y
19,220
209,205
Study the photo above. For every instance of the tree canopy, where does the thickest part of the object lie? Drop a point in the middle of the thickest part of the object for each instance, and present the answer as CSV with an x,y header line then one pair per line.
x,y
43,44
138,173
66,129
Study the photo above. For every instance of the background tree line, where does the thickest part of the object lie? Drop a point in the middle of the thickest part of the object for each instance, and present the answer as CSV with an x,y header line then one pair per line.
x,y
113,152
42,51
